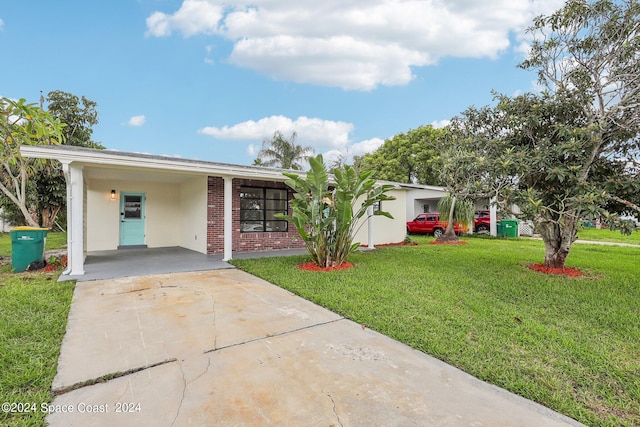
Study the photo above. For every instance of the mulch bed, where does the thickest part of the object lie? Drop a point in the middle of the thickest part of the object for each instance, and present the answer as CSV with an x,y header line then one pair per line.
x,y
311,266
566,271
438,242
397,244
384,245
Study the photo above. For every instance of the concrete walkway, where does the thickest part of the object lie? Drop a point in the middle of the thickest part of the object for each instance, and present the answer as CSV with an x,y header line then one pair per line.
x,y
226,348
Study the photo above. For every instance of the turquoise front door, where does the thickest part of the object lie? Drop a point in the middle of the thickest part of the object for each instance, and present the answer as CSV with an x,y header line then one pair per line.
x,y
132,219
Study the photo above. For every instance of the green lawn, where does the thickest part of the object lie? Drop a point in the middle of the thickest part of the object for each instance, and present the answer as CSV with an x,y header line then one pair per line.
x,y
605,235
572,344
33,319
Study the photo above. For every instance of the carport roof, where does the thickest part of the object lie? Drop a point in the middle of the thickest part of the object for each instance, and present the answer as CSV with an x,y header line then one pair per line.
x,y
120,159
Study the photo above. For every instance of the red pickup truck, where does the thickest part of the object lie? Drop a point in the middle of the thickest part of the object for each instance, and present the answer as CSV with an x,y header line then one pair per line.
x,y
430,223
482,222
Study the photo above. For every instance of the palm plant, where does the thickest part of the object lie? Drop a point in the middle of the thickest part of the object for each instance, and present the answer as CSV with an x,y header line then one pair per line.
x,y
327,214
283,153
455,210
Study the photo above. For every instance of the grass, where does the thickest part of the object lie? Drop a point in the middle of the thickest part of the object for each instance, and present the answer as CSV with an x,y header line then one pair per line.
x,y
605,235
571,344
33,319
55,240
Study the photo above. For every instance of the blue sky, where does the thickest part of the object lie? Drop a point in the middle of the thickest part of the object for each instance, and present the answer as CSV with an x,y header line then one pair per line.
x,y
209,79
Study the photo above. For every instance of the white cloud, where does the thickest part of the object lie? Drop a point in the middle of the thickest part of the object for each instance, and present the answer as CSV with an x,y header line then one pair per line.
x,y
364,147
325,136
137,120
439,124
311,131
193,17
347,153
353,44
1,24
252,150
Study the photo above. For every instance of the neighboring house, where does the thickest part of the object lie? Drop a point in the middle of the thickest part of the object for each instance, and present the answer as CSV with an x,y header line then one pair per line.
x,y
123,200
5,227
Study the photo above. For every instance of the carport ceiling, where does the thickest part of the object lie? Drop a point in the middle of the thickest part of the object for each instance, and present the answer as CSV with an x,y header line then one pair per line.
x,y
131,174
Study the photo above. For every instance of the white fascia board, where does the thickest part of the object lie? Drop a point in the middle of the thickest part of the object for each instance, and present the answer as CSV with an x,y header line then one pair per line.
x,y
424,187
122,159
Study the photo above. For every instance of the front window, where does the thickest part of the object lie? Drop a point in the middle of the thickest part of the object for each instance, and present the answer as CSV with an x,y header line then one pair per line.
x,y
258,207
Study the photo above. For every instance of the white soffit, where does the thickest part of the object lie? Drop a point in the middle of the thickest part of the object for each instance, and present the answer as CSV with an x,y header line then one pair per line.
x,y
142,164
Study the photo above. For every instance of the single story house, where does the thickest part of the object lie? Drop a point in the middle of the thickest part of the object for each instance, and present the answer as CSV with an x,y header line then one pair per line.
x,y
5,227
118,200
425,198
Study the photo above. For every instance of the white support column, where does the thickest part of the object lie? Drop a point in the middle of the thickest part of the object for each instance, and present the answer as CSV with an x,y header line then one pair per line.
x,y
75,219
493,217
228,218
370,230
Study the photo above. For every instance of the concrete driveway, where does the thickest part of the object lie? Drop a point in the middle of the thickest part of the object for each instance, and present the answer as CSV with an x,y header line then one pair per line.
x,y
226,348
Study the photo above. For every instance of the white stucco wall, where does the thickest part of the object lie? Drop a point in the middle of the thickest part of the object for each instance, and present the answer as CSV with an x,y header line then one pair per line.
x,y
102,217
5,227
387,230
418,198
162,209
193,215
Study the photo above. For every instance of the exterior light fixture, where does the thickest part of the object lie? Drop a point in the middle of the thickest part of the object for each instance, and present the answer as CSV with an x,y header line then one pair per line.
x,y
113,194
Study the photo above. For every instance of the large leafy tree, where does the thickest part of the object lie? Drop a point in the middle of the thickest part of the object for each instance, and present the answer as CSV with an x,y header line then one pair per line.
x,y
282,152
586,54
79,116
327,212
410,157
23,124
46,191
572,149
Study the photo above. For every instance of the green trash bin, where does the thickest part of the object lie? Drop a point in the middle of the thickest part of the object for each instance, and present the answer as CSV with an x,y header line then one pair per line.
x,y
27,246
509,228
500,229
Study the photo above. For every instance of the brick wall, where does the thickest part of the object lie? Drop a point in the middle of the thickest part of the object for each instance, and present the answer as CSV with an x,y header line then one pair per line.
x,y
215,215
243,242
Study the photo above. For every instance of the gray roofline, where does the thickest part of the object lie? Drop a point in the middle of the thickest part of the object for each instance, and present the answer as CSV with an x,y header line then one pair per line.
x,y
91,156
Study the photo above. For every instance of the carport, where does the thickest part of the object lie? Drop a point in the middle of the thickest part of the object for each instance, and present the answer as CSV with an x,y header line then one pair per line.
x,y
101,265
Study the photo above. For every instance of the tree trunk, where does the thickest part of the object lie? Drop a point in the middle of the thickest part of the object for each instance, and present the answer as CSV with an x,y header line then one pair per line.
x,y
558,235
49,216
450,234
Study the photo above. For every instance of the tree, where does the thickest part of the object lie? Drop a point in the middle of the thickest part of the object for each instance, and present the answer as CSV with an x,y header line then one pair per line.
x,y
408,158
462,172
23,124
78,115
327,214
282,152
586,55
453,210
562,147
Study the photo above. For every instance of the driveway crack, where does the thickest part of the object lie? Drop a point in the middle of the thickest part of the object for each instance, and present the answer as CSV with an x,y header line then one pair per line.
x,y
277,334
203,372
184,389
108,377
333,403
